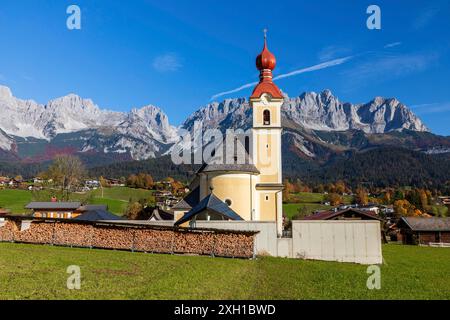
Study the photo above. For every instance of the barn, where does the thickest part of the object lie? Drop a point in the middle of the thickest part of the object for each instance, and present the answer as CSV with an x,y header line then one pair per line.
x,y
424,231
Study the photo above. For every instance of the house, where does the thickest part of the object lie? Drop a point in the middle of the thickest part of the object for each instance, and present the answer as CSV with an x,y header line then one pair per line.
x,y
445,201
63,210
424,231
246,184
57,210
346,214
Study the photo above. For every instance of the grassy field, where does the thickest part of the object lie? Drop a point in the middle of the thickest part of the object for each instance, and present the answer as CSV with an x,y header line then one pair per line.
x,y
116,198
39,272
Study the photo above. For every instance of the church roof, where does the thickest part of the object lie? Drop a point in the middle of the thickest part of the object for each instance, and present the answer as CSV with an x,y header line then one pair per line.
x,y
189,201
231,166
248,168
213,204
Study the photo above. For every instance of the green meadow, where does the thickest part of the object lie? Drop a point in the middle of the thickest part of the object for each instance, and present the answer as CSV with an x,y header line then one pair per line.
x,y
40,272
116,198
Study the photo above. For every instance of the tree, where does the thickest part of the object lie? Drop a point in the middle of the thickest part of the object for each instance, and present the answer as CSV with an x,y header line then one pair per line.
x,y
361,196
334,199
66,172
103,182
340,187
134,210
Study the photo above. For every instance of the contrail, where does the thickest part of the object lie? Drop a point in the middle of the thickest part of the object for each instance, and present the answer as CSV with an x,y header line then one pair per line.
x,y
316,67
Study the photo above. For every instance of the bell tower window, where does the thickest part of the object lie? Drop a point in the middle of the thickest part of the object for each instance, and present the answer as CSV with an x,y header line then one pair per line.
x,y
266,117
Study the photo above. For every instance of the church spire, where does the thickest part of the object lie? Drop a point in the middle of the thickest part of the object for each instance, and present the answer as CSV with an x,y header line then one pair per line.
x,y
266,63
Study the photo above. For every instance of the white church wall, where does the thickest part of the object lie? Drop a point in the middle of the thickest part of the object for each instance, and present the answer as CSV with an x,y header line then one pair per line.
x,y
343,241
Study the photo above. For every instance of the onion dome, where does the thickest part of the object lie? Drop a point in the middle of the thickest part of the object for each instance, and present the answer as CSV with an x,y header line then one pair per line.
x,y
266,63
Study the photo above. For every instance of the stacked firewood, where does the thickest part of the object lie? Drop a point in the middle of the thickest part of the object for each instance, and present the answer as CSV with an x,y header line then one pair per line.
x,y
68,234
149,240
113,238
201,242
194,242
234,245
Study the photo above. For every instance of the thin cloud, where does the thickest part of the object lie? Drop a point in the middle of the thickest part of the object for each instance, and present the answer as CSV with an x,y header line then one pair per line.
x,y
332,52
391,45
430,108
316,67
168,62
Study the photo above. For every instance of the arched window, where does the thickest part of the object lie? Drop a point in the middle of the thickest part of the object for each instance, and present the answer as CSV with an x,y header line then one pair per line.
x,y
266,117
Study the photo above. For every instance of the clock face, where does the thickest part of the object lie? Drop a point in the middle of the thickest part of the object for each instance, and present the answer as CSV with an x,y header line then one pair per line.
x,y
265,99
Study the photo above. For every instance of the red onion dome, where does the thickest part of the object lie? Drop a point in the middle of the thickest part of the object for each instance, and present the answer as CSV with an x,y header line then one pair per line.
x,y
266,59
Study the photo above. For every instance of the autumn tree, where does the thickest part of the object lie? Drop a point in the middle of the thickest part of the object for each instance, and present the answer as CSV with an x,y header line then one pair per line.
x,y
134,210
66,172
334,199
340,187
361,196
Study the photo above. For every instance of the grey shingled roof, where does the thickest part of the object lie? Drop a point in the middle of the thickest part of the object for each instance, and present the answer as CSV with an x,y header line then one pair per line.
x,y
189,201
329,215
213,204
53,205
427,224
233,166
96,215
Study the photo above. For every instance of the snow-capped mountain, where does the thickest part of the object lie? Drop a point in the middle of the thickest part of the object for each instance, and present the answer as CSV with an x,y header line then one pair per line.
x,y
30,130
142,133
317,111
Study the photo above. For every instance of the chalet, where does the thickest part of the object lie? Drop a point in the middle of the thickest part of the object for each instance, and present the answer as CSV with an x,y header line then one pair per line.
x,y
445,201
346,214
60,210
64,210
424,231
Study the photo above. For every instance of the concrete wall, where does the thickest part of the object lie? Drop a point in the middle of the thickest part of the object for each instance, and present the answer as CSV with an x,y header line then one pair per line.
x,y
344,241
266,239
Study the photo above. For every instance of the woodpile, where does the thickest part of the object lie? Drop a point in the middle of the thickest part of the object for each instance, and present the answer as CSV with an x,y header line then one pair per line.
x,y
144,239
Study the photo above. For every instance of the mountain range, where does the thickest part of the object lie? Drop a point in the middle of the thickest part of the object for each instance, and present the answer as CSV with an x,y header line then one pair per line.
x,y
318,129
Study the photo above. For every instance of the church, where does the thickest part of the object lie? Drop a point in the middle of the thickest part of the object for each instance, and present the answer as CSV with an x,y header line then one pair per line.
x,y
244,191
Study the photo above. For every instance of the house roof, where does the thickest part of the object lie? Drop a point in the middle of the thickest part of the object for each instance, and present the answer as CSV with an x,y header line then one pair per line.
x,y
248,168
189,201
427,224
53,205
96,215
161,215
213,204
329,215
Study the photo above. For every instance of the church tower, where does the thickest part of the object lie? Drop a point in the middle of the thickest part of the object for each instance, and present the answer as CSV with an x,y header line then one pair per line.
x,y
266,101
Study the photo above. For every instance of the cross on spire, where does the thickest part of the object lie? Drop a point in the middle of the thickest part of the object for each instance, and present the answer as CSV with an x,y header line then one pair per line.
x,y
265,33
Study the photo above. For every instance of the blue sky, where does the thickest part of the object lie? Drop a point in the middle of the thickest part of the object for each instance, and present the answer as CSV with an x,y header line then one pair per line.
x,y
179,54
